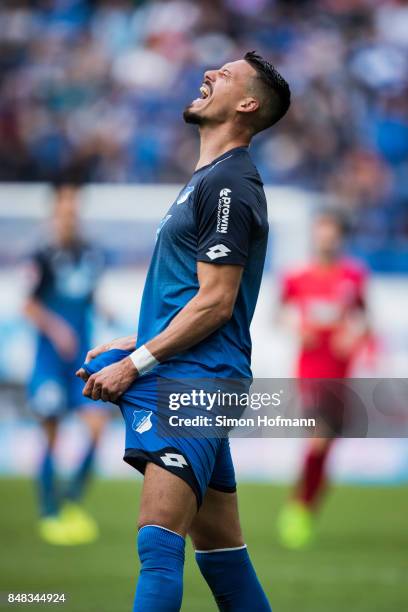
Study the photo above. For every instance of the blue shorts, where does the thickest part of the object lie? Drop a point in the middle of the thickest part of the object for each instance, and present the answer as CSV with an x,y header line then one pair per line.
x,y
200,461
54,389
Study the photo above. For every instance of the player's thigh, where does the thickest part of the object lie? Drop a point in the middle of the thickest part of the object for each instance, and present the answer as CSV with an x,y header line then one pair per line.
x,y
167,501
217,523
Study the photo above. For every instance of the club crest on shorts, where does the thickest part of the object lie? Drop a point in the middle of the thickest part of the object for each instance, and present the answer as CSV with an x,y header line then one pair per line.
x,y
142,421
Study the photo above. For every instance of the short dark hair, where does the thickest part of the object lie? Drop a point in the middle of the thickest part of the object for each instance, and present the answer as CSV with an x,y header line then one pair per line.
x,y
275,91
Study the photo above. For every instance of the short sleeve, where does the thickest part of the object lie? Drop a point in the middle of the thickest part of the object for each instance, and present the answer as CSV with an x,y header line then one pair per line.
x,y
225,218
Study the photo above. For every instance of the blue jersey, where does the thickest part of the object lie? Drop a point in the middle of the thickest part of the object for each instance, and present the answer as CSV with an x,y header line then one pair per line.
x,y
66,279
220,217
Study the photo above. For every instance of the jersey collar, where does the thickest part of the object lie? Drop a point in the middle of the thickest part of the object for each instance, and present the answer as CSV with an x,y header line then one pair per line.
x,y
229,153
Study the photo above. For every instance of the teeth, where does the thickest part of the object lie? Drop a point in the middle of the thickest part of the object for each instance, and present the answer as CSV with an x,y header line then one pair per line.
x,y
204,91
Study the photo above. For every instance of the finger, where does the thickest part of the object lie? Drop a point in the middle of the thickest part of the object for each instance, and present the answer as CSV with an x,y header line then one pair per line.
x,y
89,356
105,396
88,387
95,352
96,391
83,374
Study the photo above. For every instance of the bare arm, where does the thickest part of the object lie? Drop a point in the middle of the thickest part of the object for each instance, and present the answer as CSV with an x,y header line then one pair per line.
x,y
58,331
208,310
42,318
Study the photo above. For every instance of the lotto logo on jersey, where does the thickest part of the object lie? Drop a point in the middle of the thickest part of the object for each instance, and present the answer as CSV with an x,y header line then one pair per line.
x,y
174,460
223,212
219,250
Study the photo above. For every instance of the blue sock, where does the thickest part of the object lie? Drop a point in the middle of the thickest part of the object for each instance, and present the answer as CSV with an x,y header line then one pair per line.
x,y
81,477
232,579
160,584
46,485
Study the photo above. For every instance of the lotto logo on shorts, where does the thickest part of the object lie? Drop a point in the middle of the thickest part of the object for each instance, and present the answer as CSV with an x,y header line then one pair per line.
x,y
219,250
173,460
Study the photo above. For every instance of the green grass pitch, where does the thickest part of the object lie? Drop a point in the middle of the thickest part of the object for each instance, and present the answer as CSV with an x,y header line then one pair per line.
x,y
359,562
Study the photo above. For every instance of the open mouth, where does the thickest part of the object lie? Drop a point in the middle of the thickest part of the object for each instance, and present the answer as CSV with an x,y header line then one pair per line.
x,y
205,91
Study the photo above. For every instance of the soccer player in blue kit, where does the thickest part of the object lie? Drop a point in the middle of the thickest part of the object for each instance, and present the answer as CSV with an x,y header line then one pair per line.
x,y
198,302
65,273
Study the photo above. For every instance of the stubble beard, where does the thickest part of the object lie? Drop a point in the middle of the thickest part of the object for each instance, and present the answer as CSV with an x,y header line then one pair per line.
x,y
190,116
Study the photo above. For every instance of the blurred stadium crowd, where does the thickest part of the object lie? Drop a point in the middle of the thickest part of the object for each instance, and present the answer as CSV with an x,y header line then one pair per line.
x,y
97,87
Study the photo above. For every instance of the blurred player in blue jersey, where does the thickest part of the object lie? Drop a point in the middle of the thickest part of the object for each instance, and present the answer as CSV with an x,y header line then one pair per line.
x,y
198,302
65,272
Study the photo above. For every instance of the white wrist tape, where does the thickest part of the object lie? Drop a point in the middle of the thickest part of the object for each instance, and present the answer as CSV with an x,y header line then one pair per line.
x,y
143,360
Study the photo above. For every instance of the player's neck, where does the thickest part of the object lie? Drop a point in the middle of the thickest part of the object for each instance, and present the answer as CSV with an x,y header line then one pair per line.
x,y
215,141
326,261
66,243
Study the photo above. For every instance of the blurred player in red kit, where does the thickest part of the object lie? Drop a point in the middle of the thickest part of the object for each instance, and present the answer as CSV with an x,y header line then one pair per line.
x,y
328,295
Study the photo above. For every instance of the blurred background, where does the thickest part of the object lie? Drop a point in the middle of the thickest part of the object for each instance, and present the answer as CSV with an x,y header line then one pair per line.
x,y
99,85
92,91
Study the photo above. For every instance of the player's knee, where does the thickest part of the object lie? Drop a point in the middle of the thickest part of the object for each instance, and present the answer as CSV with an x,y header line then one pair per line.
x,y
50,427
216,541
160,517
206,537
95,421
96,432
165,516
320,445
217,524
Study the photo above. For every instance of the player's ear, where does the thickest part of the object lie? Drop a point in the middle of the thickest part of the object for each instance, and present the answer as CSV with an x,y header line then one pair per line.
x,y
248,105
